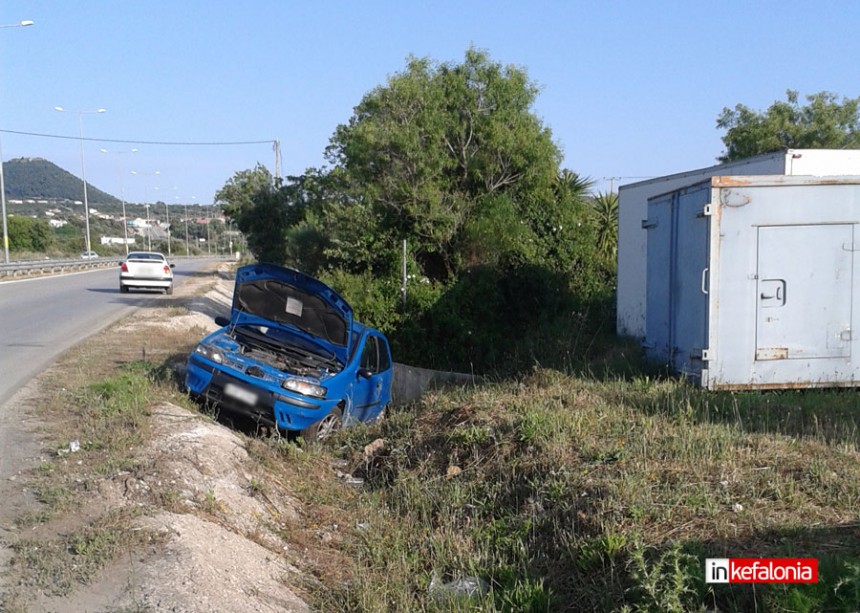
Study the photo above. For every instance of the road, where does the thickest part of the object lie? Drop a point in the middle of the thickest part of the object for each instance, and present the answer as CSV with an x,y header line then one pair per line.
x,y
41,318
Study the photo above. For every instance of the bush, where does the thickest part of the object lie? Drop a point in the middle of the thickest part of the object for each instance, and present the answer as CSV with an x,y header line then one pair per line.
x,y
494,319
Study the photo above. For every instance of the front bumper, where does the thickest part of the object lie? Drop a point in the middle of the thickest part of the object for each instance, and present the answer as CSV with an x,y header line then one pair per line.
x,y
222,386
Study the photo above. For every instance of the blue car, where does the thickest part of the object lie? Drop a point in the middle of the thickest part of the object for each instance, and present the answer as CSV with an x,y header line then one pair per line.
x,y
292,356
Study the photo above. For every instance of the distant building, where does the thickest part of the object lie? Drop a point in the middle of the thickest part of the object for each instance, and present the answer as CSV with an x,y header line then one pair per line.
x,y
116,240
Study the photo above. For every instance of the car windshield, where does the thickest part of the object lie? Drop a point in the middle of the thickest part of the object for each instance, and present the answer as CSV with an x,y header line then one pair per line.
x,y
146,256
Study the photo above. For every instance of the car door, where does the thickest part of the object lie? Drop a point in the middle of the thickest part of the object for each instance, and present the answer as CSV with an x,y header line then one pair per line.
x,y
372,388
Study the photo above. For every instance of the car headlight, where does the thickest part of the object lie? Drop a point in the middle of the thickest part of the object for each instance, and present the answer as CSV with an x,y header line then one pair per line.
x,y
305,388
210,352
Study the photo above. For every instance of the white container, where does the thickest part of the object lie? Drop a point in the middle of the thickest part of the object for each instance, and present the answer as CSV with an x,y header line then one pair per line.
x,y
632,209
751,281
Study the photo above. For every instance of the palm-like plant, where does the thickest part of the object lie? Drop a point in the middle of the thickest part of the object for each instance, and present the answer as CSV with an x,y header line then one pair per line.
x,y
605,207
570,185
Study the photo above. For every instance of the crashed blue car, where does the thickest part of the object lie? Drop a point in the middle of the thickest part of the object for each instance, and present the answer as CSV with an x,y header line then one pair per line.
x,y
292,356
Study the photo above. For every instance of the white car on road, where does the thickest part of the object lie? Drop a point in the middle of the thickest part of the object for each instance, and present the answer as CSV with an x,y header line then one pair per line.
x,y
146,269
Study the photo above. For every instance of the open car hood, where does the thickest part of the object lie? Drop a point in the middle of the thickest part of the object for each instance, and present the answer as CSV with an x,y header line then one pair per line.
x,y
271,295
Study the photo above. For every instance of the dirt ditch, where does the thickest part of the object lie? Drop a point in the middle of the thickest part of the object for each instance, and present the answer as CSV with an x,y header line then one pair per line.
x,y
208,536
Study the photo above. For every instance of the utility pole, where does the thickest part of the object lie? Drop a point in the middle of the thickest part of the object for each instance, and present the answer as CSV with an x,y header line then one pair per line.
x,y
277,147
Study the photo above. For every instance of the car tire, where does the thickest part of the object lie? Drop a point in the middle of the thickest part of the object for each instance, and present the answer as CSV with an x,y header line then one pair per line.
x,y
324,428
169,289
123,289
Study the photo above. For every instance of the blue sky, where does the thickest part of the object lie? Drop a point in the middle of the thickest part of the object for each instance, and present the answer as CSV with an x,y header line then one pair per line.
x,y
629,89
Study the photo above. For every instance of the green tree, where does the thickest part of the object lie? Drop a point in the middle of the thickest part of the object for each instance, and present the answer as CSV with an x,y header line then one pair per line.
x,y
254,200
28,234
238,193
823,123
440,156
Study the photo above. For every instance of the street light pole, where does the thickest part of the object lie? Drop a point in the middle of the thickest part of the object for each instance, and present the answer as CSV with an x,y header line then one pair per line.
x,y
122,195
20,24
83,167
186,230
3,202
148,230
167,211
187,252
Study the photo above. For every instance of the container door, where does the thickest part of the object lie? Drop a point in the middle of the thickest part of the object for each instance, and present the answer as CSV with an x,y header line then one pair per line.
x,y
804,291
658,305
677,305
690,280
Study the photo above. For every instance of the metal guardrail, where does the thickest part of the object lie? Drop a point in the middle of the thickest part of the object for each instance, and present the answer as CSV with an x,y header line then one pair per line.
x,y
34,268
48,267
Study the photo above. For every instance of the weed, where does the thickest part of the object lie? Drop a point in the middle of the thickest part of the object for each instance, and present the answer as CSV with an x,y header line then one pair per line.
x,y
601,552
256,487
515,594
56,498
663,581
469,436
210,502
171,499
535,429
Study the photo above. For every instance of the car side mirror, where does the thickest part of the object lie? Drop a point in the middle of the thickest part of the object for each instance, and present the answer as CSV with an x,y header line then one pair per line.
x,y
222,321
363,372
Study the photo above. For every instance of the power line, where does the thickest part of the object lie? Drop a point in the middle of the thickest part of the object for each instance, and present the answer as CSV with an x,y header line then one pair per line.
x,y
142,142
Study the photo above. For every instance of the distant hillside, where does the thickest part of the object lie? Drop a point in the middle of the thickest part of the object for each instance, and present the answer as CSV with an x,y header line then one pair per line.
x,y
37,178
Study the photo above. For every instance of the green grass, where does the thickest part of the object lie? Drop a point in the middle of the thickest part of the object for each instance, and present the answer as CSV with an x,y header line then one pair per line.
x,y
582,494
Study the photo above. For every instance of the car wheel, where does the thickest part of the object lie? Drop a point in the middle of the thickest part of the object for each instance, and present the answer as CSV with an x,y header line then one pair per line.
x,y
123,289
169,289
324,428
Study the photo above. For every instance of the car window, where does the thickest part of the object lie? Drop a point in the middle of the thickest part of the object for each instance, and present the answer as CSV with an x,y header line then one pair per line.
x,y
374,356
370,355
146,256
384,359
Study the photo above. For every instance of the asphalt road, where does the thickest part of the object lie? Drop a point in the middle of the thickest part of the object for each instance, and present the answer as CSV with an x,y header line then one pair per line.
x,y
41,318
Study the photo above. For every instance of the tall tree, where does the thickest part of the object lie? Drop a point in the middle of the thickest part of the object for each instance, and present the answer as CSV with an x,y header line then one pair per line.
x,y
261,212
823,123
438,156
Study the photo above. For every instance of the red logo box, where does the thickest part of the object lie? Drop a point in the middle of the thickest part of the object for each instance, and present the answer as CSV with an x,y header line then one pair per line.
x,y
761,570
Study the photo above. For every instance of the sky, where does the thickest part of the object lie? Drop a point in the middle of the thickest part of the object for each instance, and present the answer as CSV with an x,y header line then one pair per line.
x,y
629,89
